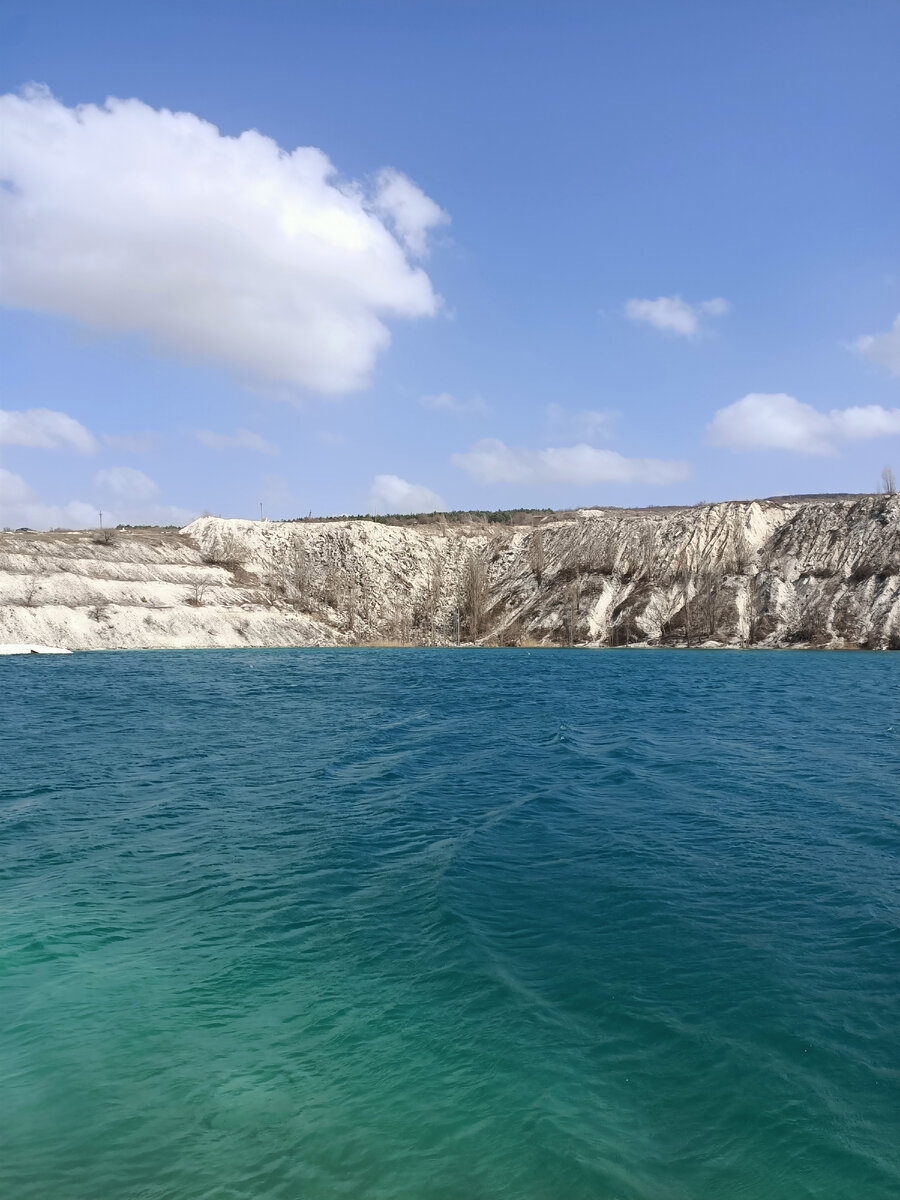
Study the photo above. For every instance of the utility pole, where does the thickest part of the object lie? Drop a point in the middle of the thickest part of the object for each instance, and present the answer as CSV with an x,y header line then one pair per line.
x,y
101,518
260,510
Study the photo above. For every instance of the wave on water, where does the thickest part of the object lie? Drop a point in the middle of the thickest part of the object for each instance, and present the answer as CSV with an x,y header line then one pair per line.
x,y
431,925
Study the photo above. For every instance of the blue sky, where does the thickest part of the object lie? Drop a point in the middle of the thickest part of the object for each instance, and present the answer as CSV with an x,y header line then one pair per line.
x,y
625,254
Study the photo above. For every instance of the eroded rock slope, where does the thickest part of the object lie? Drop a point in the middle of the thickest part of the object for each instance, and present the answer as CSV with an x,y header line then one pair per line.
x,y
763,573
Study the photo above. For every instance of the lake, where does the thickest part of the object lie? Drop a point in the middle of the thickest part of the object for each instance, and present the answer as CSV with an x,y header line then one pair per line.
x,y
450,925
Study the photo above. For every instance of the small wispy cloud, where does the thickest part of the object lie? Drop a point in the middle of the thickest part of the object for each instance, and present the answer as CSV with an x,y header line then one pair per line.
x,y
242,439
45,429
132,443
671,314
882,348
589,425
391,494
405,206
492,461
445,402
126,482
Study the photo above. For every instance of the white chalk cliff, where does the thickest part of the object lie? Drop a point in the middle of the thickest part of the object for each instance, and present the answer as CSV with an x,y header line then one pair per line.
x,y
816,572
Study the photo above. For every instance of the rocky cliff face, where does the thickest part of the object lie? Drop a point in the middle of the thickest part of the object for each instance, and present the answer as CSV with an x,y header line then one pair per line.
x,y
803,573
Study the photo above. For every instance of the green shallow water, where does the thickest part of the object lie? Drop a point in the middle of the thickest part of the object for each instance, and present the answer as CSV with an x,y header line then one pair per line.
x,y
439,925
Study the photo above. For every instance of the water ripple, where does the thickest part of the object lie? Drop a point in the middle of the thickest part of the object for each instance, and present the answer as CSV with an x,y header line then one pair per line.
x,y
431,925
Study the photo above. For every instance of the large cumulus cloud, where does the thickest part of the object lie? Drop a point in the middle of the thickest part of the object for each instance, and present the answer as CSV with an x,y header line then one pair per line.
x,y
222,249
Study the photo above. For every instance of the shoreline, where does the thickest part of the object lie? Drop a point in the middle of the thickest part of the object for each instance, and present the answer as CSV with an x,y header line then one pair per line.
x,y
37,651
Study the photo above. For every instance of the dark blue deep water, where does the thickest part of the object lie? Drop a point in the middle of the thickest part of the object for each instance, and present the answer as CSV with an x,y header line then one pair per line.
x,y
450,925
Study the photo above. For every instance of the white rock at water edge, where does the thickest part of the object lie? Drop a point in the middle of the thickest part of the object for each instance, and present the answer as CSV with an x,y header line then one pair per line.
x,y
33,650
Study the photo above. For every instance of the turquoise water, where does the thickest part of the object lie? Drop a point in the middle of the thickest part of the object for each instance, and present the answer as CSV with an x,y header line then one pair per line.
x,y
450,925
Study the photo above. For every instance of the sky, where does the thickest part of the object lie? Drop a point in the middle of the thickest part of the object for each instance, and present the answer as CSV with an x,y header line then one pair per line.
x,y
382,256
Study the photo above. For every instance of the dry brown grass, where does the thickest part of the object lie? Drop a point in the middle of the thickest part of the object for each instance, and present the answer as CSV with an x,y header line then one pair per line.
x,y
388,644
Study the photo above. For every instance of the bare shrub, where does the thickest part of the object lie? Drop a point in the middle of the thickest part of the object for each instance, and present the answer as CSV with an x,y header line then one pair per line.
x,y
512,635
625,632
812,622
574,607
846,619
598,554
32,587
888,486
297,572
432,598
226,551
537,559
709,601
473,600
741,550
197,593
107,535
331,587
684,578
348,599
645,553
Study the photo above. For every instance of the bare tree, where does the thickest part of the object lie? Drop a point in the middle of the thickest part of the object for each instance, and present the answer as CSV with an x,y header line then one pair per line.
x,y
348,594
332,586
474,593
34,582
709,599
646,545
741,549
536,557
888,482
105,536
297,569
32,587
433,592
273,579
197,592
573,606
684,575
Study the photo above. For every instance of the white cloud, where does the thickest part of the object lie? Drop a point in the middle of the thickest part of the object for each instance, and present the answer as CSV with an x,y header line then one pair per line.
x,y
46,429
222,249
674,315
882,348
242,439
408,209
13,488
20,506
492,461
126,482
445,402
590,425
776,421
153,514
132,443
391,494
